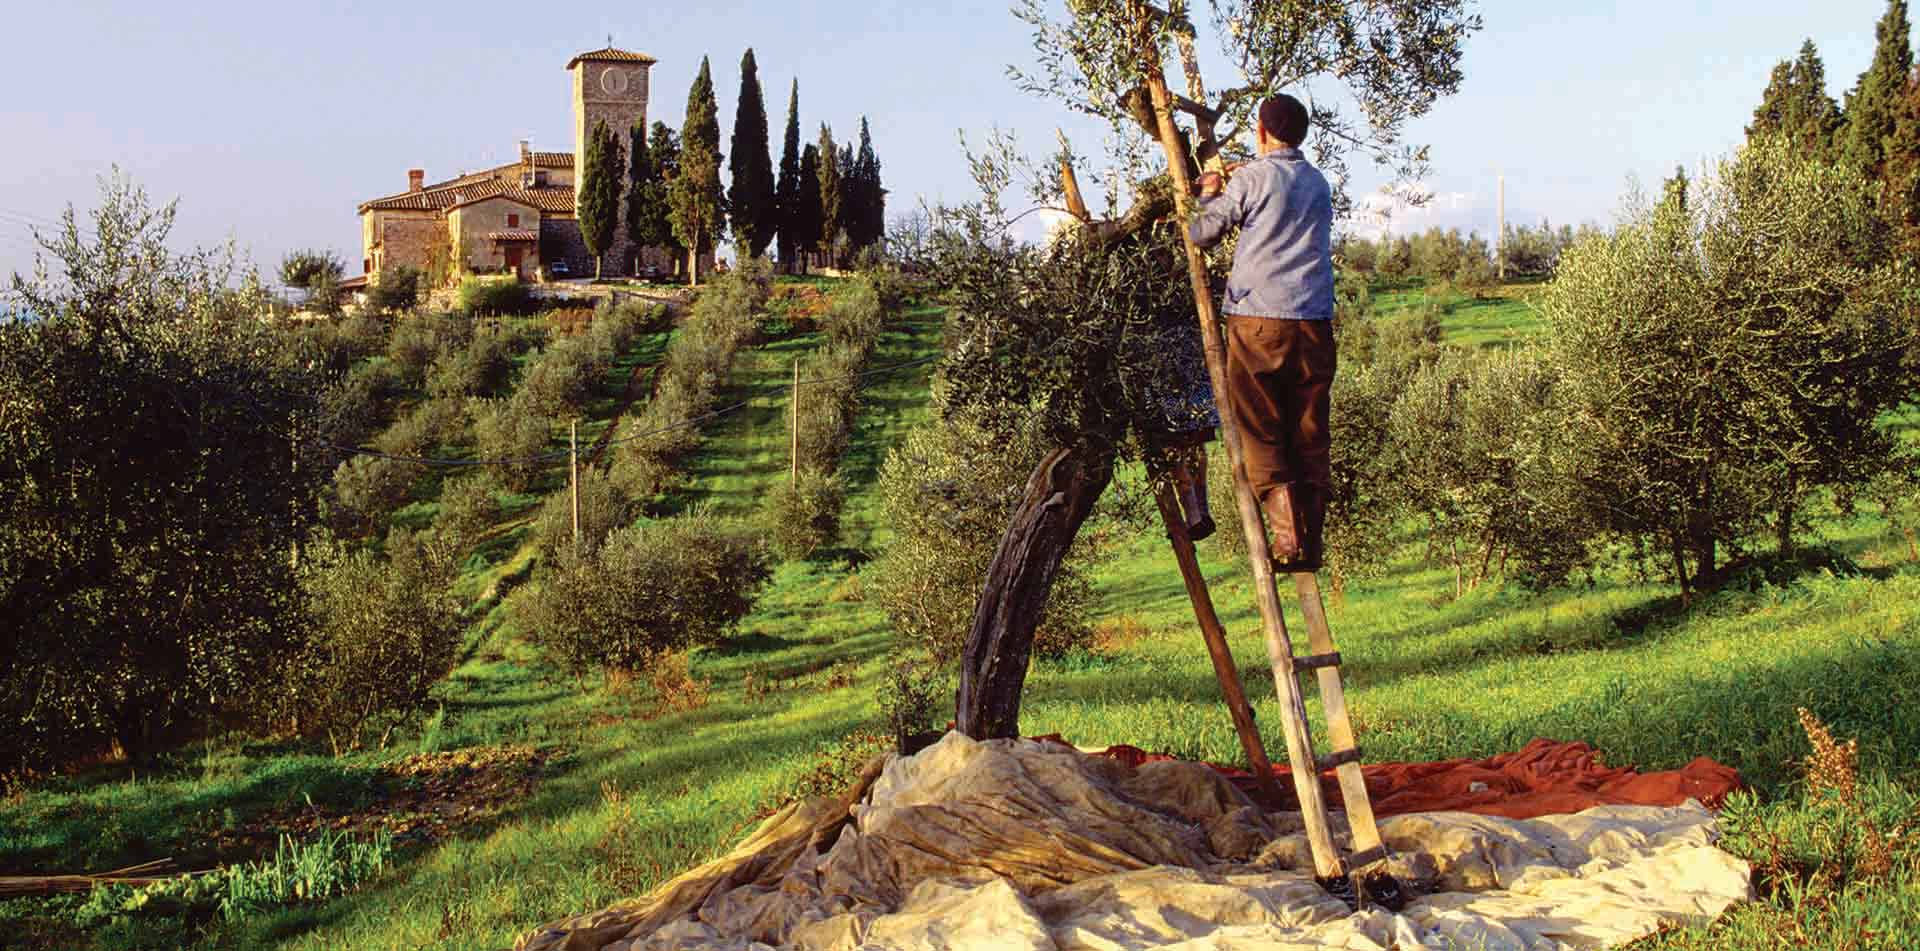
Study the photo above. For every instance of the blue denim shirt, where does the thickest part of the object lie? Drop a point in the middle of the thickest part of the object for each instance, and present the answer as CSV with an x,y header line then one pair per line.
x,y
1283,266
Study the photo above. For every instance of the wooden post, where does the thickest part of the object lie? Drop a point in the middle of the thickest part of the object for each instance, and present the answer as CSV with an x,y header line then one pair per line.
x,y
1500,235
573,477
793,452
1306,780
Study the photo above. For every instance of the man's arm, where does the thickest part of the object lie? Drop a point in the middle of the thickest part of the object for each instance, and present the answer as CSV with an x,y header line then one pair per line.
x,y
1219,214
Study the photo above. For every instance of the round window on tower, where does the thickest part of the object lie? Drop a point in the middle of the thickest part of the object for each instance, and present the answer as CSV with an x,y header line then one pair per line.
x,y
614,81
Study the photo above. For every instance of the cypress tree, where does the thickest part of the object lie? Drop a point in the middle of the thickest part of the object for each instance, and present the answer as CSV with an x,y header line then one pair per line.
x,y
871,198
664,148
832,192
808,221
699,217
1796,104
786,193
849,197
755,217
642,176
1873,106
598,203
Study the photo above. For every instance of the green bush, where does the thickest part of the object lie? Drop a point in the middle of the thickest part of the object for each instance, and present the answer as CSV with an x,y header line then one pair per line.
x,y
354,407
948,491
698,362
484,367
505,430
468,508
417,342
803,517
331,865
397,290
367,489
431,426
492,297
150,499
604,508
653,589
618,324
383,632
560,382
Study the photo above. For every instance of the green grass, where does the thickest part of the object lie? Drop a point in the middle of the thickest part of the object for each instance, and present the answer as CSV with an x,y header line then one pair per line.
x,y
634,795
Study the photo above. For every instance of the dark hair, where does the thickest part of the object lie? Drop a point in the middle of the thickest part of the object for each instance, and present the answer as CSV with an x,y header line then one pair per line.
x,y
1285,119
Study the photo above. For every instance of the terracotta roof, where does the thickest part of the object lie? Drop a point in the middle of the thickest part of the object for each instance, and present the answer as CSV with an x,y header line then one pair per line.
x,y
612,55
553,199
517,235
553,159
439,195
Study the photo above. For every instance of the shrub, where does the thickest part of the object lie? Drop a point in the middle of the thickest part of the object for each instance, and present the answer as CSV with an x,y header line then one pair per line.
x,y
417,342
504,430
913,696
604,508
948,491
560,382
354,407
384,631
804,516
367,489
619,321
431,425
397,290
484,367
698,362
654,588
149,496
492,297
468,507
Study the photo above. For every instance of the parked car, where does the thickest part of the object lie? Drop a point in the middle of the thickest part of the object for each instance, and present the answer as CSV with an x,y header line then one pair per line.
x,y
560,269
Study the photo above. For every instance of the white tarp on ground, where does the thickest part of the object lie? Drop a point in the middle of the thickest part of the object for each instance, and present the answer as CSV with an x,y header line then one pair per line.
x,y
1019,844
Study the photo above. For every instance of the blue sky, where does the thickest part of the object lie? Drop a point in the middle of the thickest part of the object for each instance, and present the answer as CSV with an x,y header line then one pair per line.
x,y
271,121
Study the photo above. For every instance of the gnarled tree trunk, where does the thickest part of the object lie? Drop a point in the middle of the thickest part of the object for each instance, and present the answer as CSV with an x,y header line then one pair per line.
x,y
1059,496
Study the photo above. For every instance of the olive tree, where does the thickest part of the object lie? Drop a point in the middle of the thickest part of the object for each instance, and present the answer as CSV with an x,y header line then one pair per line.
x,y
1724,357
1051,338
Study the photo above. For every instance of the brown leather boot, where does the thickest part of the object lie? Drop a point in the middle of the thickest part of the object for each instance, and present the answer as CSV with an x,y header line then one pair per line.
x,y
1191,487
1313,542
1284,523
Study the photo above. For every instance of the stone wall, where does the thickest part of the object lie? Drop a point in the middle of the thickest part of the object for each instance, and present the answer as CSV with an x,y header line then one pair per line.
x,y
560,241
472,223
407,237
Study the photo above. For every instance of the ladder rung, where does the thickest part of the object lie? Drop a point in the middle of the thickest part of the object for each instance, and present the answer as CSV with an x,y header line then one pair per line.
x,y
1338,758
1316,661
1360,860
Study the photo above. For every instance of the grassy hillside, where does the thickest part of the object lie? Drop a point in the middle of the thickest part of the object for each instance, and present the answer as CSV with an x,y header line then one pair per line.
x,y
602,790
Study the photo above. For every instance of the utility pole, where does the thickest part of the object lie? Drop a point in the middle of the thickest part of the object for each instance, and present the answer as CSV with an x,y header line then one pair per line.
x,y
573,466
793,453
1500,236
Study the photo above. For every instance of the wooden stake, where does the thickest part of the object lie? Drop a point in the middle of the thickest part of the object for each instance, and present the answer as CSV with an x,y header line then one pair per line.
x,y
573,477
793,453
1306,779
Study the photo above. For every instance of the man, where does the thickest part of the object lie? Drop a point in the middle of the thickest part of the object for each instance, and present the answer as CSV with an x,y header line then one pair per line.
x,y
1279,316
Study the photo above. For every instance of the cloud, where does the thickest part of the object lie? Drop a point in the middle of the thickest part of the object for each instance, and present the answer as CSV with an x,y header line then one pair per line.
x,y
1409,209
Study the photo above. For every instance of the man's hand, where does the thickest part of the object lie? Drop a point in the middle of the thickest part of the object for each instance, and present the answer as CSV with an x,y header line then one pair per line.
x,y
1211,184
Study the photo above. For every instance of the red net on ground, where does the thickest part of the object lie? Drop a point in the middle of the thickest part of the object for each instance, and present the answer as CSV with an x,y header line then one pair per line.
x,y
1544,778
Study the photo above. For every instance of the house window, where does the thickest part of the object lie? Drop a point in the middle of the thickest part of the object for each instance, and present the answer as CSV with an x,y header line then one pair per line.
x,y
513,220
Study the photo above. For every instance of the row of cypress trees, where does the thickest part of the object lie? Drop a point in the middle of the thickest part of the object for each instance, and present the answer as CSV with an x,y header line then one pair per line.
x,y
827,199
1876,132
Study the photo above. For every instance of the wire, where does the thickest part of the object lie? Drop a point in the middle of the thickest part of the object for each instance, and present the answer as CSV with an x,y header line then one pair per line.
x,y
562,454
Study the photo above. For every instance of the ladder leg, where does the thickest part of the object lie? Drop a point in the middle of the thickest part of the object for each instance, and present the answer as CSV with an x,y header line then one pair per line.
x,y
1216,639
1367,847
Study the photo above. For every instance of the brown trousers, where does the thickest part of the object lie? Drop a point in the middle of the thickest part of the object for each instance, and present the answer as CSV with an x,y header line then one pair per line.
x,y
1279,379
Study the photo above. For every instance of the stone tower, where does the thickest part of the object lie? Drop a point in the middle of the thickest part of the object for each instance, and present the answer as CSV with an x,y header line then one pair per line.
x,y
610,86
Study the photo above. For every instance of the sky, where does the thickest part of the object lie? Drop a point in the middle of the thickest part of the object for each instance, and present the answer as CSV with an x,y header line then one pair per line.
x,y
270,122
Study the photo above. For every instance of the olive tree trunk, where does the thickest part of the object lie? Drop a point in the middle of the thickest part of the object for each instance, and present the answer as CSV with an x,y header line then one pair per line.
x,y
1059,496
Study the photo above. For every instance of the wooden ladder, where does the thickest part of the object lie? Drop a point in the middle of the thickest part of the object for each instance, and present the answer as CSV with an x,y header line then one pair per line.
x,y
1324,663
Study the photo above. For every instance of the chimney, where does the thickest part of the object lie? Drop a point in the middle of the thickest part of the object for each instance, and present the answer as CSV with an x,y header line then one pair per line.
x,y
416,179
526,152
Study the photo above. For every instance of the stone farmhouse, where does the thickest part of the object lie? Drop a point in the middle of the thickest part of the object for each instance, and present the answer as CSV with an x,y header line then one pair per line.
x,y
516,218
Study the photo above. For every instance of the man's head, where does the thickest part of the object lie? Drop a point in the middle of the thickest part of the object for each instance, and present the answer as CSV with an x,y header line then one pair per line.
x,y
1284,120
